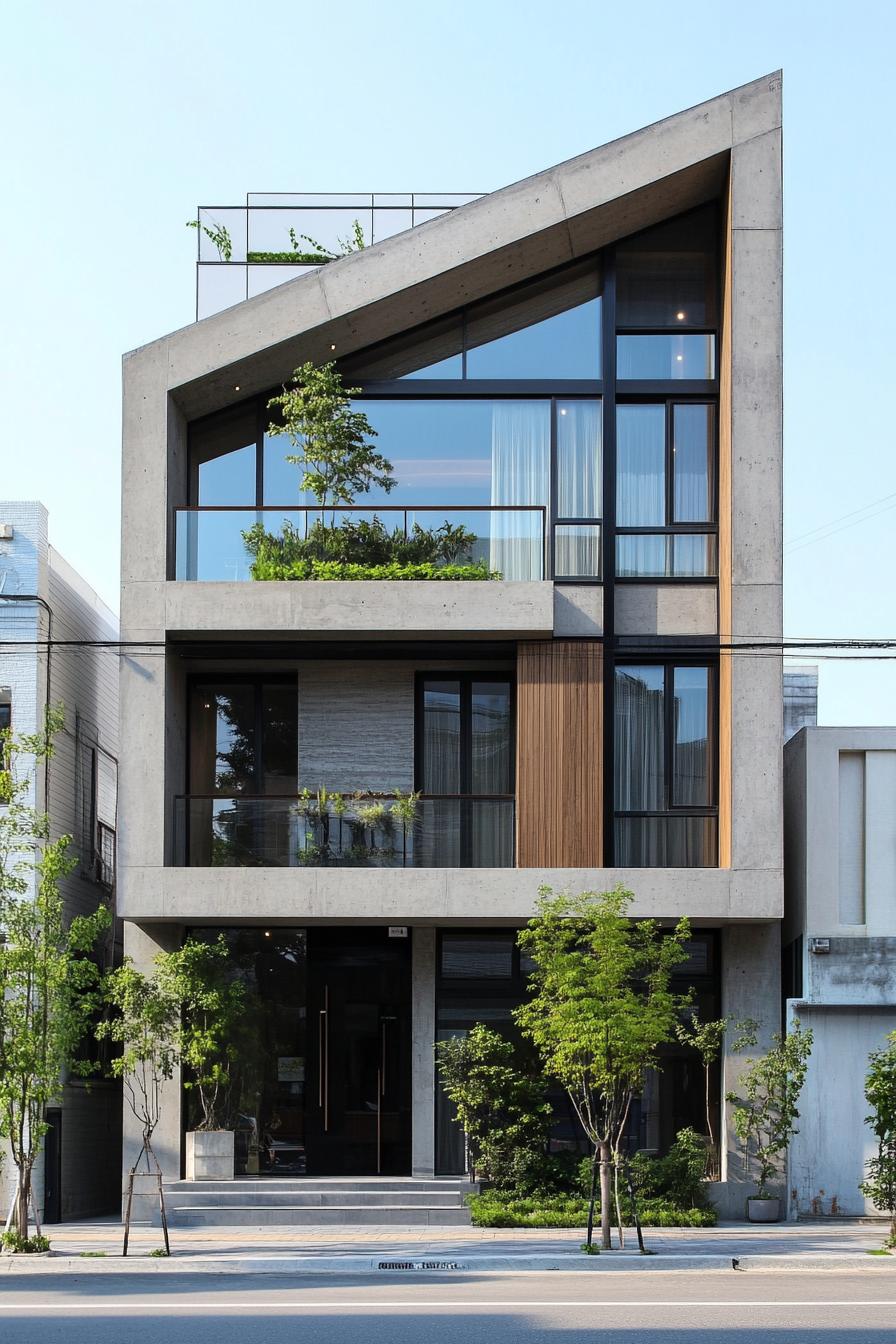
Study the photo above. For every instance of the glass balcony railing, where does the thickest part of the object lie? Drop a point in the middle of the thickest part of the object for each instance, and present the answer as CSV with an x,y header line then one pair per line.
x,y
210,543
364,831
243,250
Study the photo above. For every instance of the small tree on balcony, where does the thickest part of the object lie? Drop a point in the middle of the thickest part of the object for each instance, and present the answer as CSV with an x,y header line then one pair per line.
x,y
332,441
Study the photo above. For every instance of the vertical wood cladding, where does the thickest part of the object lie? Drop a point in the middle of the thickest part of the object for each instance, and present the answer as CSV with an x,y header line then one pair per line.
x,y
559,749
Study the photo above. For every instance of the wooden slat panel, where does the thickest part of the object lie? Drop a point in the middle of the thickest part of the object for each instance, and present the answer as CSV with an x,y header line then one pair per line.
x,y
559,783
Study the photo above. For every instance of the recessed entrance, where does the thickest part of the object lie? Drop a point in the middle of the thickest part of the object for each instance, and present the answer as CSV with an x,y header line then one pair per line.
x,y
320,1082
358,1107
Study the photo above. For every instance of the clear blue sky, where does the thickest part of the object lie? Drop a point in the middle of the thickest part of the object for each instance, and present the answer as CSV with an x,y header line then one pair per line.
x,y
120,117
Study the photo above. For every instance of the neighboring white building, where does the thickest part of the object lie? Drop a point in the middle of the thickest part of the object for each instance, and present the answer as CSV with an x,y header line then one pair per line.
x,y
46,609
839,947
800,697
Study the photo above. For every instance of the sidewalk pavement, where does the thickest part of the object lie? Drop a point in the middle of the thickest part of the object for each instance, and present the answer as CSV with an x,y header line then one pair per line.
x,y
95,1247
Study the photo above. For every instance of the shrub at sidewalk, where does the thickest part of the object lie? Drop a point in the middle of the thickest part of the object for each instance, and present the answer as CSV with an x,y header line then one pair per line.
x,y
498,1209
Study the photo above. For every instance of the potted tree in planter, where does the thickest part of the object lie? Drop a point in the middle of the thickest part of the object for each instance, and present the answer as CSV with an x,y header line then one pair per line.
x,y
765,1116
198,977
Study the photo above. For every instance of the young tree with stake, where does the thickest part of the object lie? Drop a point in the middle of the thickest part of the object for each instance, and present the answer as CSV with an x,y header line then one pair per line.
x,y
601,1008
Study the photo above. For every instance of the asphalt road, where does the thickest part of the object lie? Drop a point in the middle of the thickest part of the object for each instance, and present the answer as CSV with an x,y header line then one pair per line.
x,y
659,1307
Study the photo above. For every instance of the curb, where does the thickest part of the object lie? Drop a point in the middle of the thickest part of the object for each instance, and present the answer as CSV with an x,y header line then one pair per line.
x,y
384,1266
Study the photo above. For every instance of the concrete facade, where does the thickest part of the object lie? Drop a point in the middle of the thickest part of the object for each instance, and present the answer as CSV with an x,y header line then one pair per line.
x,y
727,150
44,601
840,943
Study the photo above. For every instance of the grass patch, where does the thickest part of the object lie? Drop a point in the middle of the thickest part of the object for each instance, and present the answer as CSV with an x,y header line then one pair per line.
x,y
494,1209
92,1255
882,1250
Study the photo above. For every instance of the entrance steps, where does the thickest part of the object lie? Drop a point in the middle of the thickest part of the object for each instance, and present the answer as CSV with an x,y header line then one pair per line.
x,y
350,1201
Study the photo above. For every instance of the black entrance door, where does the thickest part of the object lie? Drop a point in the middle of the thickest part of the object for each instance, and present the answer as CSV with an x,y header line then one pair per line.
x,y
359,1033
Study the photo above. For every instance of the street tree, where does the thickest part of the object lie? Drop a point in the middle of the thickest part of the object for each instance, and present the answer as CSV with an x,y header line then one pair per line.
x,y
49,976
143,1018
880,1093
601,1006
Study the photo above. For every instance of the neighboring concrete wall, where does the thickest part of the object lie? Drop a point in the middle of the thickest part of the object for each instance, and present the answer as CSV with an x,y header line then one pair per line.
x,y
828,1155
817,827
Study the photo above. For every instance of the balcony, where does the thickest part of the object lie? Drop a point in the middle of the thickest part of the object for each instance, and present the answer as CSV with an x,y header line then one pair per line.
x,y
260,244
210,544
364,831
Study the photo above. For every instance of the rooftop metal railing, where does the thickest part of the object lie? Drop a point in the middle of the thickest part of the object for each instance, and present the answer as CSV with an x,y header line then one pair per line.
x,y
243,250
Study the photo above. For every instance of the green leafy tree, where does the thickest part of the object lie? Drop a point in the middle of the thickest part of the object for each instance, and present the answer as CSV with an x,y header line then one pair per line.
x,y
144,1019
600,1009
765,1116
502,1109
332,441
199,978
707,1039
48,979
880,1093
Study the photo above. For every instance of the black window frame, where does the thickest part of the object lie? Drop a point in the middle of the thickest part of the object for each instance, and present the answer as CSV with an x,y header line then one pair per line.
x,y
466,679
633,658
257,681
670,400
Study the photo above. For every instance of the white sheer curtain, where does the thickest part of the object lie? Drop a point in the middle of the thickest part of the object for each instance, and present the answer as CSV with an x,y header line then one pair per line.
x,y
641,488
691,426
579,445
521,448
638,765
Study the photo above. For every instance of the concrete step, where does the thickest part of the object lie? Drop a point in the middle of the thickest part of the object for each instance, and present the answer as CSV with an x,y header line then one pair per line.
x,y
261,1186
449,1199
345,1215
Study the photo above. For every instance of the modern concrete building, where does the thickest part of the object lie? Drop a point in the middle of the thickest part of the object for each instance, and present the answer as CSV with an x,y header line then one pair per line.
x,y
584,368
45,609
840,947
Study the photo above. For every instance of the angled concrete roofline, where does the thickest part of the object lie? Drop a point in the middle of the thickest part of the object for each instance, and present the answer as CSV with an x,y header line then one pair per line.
x,y
512,234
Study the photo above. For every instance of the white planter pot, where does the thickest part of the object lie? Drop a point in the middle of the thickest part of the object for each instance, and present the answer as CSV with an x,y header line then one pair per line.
x,y
763,1210
209,1155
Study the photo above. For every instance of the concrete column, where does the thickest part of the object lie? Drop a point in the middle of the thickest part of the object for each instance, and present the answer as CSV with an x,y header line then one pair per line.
x,y
141,944
423,1034
751,987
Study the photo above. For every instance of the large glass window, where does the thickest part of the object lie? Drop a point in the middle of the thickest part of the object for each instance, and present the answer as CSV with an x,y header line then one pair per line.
x,y
465,769
579,469
667,276
664,766
243,758
665,490
549,328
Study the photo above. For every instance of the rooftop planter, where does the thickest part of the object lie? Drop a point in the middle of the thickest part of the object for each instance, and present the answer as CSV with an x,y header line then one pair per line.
x,y
333,447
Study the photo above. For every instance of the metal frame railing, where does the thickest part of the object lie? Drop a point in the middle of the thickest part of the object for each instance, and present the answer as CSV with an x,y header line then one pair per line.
x,y
380,214
186,565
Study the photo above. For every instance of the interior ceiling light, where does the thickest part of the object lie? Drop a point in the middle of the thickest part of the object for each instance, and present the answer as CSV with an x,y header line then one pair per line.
x,y
680,316
332,347
236,387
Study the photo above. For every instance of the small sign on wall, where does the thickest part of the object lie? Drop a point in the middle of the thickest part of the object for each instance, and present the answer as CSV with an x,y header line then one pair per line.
x,y
398,930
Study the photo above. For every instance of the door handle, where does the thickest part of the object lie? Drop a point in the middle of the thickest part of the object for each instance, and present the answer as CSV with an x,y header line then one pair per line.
x,y
323,1067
